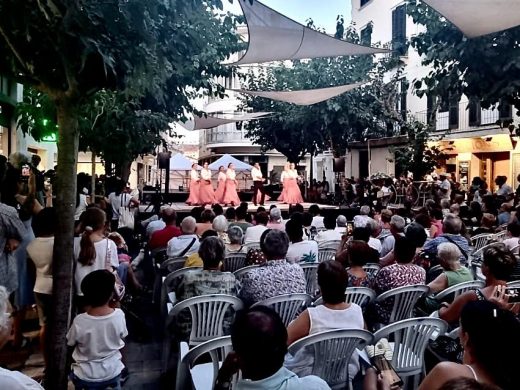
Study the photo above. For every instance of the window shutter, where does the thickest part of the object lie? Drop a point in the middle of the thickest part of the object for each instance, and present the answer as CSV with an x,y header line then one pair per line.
x,y
399,30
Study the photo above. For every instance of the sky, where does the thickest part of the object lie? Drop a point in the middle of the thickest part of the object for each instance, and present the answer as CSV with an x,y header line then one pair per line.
x,y
322,12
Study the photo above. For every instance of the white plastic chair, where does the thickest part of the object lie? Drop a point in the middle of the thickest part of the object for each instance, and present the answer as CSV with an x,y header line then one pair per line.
x,y
169,284
202,375
514,283
288,306
207,319
500,236
480,240
326,254
331,244
409,339
361,296
311,277
372,268
162,269
405,299
233,262
332,352
242,271
458,289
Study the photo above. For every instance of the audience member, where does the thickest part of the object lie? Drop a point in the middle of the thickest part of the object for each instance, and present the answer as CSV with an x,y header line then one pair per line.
x,y
487,225
194,260
300,250
451,227
253,233
453,273
355,257
259,340
375,231
512,241
236,239
361,220
187,243
397,225
220,225
157,224
231,214
341,224
160,238
241,213
330,234
317,219
504,215
206,221
276,276
275,219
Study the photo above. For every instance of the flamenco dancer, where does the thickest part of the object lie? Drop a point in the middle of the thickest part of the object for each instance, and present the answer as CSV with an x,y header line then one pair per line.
x,y
206,193
230,192
221,186
193,199
291,193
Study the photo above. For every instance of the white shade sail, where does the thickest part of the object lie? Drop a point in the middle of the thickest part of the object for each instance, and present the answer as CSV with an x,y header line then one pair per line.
x,y
275,37
225,160
303,97
201,122
479,17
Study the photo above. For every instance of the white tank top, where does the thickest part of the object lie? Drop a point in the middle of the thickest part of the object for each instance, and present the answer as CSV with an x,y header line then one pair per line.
x,y
322,318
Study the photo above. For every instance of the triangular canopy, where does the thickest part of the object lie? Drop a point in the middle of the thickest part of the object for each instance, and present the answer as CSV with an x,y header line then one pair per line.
x,y
304,97
479,17
201,122
226,159
275,37
180,162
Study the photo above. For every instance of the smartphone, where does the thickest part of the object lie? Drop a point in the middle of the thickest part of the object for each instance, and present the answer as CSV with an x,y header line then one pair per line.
x,y
350,228
514,294
26,172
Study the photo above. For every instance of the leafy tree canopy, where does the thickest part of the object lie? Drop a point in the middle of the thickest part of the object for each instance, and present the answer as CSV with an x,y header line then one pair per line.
x,y
487,67
365,112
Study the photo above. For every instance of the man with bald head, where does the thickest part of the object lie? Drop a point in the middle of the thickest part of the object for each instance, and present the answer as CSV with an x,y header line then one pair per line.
x,y
160,238
259,340
187,243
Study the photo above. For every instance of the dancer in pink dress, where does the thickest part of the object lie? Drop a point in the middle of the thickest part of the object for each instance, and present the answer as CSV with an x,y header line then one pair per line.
x,y
193,199
206,192
230,194
293,194
283,179
221,186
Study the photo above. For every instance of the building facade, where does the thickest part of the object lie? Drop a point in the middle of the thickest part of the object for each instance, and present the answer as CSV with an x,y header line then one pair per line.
x,y
474,143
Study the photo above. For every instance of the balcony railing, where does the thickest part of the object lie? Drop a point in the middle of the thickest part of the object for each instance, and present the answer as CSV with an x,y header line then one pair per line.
x,y
220,136
464,116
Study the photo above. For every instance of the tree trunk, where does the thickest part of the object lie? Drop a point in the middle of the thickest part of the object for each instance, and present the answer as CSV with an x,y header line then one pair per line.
x,y
63,258
125,170
93,178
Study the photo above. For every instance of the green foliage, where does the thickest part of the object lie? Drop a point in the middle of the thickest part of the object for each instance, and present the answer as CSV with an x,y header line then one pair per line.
x,y
487,68
366,112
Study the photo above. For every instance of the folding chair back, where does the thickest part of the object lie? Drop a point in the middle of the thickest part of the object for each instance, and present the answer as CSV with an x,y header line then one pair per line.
x,y
311,277
288,306
234,262
404,299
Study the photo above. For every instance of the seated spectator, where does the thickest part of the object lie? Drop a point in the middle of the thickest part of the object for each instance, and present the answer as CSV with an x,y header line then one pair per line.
x,y
217,209
386,217
445,206
97,335
436,222
300,250
206,221
487,225
513,237
354,258
275,219
253,233
397,225
498,265
451,227
317,219
124,270
159,238
358,234
375,231
453,273
341,224
491,340
259,340
276,276
402,273
241,213
156,224
194,260
361,220
236,238
187,243
309,231
220,225
231,214
504,215
12,380
334,313
330,234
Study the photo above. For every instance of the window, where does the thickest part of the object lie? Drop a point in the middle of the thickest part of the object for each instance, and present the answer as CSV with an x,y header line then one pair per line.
x,y
453,113
431,116
505,110
365,36
362,3
399,31
474,112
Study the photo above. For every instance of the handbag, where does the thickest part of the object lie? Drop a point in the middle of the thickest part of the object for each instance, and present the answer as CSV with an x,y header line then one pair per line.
x,y
126,216
119,286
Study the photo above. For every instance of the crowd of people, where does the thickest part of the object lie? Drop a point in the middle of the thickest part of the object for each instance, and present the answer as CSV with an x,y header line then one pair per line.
x,y
428,245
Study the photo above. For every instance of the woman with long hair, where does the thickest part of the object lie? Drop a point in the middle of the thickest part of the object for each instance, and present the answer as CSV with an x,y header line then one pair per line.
x,y
292,194
206,192
230,194
221,185
193,199
93,250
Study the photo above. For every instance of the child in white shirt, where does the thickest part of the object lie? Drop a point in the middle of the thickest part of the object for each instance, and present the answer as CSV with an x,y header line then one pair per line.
x,y
97,335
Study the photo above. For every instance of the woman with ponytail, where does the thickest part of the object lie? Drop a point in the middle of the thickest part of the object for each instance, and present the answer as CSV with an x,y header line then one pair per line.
x,y
92,250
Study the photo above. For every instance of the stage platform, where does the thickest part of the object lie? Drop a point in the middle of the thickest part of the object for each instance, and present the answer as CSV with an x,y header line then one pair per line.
x,y
184,208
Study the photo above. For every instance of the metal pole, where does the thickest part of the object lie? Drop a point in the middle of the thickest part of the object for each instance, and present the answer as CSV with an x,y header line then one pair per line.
x,y
369,159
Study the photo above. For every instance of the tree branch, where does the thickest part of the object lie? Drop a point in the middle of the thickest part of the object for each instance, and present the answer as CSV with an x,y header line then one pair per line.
x,y
28,68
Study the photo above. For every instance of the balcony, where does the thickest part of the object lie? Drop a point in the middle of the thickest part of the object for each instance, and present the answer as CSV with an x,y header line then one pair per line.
x,y
224,135
465,116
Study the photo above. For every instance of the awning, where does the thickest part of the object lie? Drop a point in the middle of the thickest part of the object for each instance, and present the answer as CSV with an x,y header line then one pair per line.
x,y
201,122
180,162
225,160
275,37
303,97
479,17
